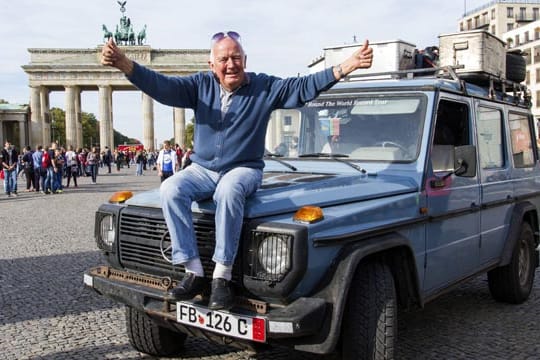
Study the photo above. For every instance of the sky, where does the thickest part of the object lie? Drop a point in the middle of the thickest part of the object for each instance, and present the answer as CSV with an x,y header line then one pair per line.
x,y
280,37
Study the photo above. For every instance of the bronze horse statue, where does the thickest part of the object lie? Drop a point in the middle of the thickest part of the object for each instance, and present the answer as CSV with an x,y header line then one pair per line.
x,y
106,33
141,36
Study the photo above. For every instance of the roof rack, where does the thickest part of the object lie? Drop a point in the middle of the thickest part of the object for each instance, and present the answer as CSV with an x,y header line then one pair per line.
x,y
441,72
497,87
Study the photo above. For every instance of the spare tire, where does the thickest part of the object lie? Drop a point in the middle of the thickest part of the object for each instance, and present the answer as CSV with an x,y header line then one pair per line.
x,y
515,66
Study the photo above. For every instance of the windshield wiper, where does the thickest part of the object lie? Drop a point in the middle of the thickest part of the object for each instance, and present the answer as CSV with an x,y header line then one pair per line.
x,y
337,157
274,157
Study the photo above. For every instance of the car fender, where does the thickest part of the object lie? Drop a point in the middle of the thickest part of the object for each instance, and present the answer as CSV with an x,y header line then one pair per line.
x,y
336,284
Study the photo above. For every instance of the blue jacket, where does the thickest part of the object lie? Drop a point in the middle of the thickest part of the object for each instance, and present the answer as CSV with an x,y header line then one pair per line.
x,y
239,138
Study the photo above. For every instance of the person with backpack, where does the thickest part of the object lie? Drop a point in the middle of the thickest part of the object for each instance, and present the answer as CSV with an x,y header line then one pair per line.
x,y
72,166
47,172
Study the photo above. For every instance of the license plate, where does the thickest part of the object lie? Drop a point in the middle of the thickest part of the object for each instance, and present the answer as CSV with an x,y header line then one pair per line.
x,y
235,325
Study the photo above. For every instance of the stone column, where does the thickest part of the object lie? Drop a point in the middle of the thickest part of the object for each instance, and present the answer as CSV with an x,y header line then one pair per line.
x,y
22,136
111,127
78,121
179,126
105,116
72,95
45,112
36,127
148,122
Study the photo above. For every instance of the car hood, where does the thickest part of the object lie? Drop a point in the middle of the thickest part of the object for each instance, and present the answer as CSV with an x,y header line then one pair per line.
x,y
286,192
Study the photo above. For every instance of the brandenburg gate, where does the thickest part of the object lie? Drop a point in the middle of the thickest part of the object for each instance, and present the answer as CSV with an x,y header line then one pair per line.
x,y
77,70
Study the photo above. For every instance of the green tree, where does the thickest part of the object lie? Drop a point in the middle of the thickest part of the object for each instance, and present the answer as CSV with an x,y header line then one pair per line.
x,y
90,129
190,129
58,125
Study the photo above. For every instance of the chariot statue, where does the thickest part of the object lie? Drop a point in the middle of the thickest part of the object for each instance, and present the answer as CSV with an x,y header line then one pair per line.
x,y
124,33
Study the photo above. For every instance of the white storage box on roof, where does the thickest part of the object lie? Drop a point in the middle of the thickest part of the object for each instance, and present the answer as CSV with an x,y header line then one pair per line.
x,y
480,52
387,56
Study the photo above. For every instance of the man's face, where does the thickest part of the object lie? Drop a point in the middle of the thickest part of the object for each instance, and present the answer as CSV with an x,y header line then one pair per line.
x,y
228,63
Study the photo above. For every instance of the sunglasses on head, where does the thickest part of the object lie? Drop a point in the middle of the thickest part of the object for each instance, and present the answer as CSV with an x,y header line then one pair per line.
x,y
221,35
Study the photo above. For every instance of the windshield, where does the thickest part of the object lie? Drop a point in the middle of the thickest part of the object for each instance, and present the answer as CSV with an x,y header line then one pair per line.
x,y
373,128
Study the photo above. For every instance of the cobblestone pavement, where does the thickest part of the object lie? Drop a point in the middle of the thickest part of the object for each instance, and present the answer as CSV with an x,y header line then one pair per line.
x,y
46,243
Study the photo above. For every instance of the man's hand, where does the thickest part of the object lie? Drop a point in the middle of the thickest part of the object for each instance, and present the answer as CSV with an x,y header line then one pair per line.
x,y
112,55
360,59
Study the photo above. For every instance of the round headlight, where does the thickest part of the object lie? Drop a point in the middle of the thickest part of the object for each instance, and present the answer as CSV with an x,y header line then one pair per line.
x,y
274,255
107,231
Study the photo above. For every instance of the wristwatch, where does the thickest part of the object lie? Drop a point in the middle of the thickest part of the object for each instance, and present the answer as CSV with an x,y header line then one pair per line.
x,y
340,71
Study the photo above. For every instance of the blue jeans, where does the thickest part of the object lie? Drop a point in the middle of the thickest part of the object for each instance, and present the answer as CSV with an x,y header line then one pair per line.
x,y
57,179
10,181
229,191
48,183
139,171
94,172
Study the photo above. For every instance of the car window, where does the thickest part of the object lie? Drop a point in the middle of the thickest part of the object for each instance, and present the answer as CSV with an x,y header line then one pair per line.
x,y
521,139
490,137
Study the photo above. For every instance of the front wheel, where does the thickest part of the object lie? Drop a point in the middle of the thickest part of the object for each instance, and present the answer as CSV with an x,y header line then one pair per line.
x,y
370,320
148,337
513,283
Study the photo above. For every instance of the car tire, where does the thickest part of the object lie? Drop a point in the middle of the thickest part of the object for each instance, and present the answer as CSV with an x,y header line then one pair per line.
x,y
516,67
148,337
369,326
512,283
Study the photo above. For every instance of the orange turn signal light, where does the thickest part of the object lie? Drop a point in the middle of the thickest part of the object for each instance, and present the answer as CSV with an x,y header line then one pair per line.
x,y
120,196
308,214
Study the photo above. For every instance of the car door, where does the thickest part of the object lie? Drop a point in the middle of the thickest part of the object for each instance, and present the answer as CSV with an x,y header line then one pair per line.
x,y
496,187
453,202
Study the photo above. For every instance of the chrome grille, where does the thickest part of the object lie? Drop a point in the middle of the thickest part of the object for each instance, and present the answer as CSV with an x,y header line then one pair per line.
x,y
141,231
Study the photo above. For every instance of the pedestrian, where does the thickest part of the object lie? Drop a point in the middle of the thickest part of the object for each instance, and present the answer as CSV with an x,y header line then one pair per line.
x,y
186,159
9,159
118,158
58,168
28,166
139,161
47,172
108,159
179,154
72,166
232,109
166,163
36,158
92,159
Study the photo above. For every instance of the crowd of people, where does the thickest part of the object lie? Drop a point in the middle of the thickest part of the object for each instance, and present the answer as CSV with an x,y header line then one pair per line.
x,y
51,169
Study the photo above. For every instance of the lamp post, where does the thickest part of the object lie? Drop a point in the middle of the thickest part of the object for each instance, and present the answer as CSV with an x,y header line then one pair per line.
x,y
53,127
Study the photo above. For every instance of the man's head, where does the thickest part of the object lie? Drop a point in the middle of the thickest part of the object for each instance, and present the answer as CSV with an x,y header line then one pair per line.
x,y
228,60
7,145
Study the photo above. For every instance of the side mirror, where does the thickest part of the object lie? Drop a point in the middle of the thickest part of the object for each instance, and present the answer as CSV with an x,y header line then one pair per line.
x,y
459,160
465,161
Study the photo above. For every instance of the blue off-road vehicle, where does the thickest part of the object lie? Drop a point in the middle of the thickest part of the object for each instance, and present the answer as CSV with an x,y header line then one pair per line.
x,y
386,193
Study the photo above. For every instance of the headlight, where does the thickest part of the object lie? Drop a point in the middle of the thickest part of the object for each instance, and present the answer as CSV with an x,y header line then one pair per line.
x,y
274,255
107,232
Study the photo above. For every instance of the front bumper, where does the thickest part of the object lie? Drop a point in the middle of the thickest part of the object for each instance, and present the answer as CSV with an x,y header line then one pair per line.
x,y
301,318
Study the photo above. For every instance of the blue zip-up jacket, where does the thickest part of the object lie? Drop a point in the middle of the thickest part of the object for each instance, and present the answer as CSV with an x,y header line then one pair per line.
x,y
238,138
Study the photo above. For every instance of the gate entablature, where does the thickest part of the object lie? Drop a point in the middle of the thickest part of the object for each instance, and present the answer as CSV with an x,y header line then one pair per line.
x,y
76,70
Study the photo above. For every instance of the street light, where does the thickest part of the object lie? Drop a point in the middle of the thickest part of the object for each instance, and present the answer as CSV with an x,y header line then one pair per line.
x,y
52,126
